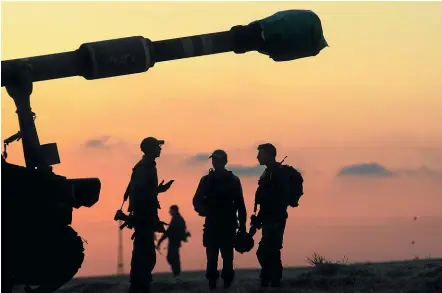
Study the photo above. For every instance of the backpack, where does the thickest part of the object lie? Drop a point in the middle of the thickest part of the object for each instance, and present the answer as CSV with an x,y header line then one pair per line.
x,y
185,234
216,200
295,181
221,199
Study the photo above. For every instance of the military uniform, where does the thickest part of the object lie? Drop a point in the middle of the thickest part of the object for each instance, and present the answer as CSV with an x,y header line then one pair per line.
x,y
143,205
219,198
271,196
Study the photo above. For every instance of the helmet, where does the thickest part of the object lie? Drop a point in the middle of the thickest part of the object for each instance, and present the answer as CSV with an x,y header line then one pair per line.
x,y
244,242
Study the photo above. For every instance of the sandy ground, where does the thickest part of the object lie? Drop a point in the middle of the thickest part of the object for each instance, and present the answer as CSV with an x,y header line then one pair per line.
x,y
417,276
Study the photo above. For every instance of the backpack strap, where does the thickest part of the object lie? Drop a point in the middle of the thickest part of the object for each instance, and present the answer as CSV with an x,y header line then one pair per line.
x,y
127,192
126,195
208,179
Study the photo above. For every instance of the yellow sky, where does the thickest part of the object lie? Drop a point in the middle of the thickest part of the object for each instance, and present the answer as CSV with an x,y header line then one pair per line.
x,y
381,73
373,96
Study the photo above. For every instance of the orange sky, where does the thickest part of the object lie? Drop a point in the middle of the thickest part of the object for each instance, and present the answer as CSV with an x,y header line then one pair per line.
x,y
373,96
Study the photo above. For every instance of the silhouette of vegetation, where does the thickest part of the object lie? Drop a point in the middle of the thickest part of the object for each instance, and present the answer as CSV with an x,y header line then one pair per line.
x,y
325,266
413,276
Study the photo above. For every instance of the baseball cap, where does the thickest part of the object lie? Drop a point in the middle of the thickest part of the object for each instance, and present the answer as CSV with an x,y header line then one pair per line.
x,y
219,154
150,142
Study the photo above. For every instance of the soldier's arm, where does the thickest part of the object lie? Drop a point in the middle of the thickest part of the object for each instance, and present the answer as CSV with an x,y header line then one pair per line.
x,y
169,231
127,192
198,198
241,206
163,237
257,204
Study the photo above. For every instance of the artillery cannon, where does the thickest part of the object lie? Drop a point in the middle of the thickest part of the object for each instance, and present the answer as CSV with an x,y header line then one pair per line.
x,y
43,250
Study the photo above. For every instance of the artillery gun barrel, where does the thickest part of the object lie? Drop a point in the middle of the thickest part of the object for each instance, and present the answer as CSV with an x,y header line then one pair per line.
x,y
193,46
283,36
130,55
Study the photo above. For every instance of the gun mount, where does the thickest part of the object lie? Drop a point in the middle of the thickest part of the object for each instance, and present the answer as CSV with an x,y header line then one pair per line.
x,y
43,249
40,203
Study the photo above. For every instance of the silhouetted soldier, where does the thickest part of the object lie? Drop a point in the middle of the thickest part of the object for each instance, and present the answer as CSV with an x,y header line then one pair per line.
x,y
176,233
219,198
271,196
143,192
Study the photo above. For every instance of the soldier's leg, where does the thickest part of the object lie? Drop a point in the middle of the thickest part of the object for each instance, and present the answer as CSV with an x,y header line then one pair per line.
x,y
170,256
228,272
152,255
173,258
275,261
177,264
212,252
263,255
136,261
275,267
143,259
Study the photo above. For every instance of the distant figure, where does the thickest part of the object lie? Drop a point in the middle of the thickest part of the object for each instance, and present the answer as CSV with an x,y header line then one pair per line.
x,y
176,233
219,198
272,197
143,192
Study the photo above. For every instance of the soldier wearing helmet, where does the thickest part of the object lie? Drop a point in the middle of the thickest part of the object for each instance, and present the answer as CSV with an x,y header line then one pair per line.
x,y
219,198
143,192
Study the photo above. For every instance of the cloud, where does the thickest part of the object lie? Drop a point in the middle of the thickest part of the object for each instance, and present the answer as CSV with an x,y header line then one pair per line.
x,y
97,143
246,170
377,170
422,171
239,170
198,159
106,142
366,170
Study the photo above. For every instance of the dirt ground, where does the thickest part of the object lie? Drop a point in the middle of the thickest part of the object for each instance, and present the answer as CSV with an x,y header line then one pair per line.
x,y
417,276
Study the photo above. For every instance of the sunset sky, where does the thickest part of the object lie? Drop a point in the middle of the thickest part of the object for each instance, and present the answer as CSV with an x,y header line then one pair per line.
x,y
362,121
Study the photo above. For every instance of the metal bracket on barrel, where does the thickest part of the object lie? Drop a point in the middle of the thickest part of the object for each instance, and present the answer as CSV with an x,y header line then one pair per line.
x,y
36,156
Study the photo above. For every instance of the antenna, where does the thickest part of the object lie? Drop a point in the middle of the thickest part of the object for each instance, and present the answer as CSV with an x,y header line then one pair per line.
x,y
120,259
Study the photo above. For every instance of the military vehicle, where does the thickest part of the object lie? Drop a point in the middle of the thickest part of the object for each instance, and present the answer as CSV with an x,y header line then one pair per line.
x,y
43,250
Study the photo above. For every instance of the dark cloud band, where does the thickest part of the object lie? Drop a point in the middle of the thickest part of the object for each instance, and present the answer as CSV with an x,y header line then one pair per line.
x,y
365,169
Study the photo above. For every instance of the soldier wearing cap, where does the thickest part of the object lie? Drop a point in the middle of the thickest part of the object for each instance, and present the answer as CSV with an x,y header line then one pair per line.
x,y
270,196
143,206
219,198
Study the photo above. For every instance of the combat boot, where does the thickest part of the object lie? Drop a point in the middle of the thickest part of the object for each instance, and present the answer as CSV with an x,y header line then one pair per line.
x,y
227,283
178,280
265,283
212,283
139,289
